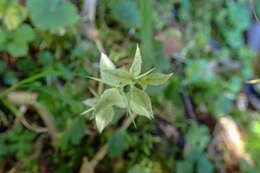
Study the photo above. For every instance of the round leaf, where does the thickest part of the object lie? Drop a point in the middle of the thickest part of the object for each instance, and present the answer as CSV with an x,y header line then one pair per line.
x,y
52,14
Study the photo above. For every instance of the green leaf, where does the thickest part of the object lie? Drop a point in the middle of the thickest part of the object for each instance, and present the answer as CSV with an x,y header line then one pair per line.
x,y
104,111
119,76
52,14
197,138
17,49
109,98
105,64
135,69
24,34
137,170
2,66
239,15
2,36
104,117
76,130
154,79
12,13
118,143
140,103
126,13
184,167
234,37
91,102
204,165
19,38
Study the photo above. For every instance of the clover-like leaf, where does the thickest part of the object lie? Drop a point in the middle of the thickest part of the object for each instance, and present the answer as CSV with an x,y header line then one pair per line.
x,y
12,13
17,42
140,103
52,14
17,49
135,68
154,79
104,117
24,34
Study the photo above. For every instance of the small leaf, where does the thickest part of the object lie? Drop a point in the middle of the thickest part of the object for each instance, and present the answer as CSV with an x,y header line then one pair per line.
x,y
76,130
140,103
91,102
17,49
24,34
104,111
118,143
14,15
135,69
105,64
109,98
119,76
154,79
104,117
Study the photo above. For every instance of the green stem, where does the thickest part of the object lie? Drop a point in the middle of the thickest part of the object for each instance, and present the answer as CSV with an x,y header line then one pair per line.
x,y
29,80
146,7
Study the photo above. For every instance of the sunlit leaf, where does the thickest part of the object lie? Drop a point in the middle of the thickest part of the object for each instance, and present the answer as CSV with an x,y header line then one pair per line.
x,y
108,98
140,103
104,117
12,13
154,79
91,102
104,111
119,76
105,64
135,69
253,81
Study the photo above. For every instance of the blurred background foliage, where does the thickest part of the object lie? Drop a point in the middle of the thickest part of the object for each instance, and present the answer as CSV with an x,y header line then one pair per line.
x,y
206,117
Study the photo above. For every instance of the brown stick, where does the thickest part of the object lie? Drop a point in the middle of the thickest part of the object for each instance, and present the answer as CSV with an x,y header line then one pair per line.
x,y
27,98
103,150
